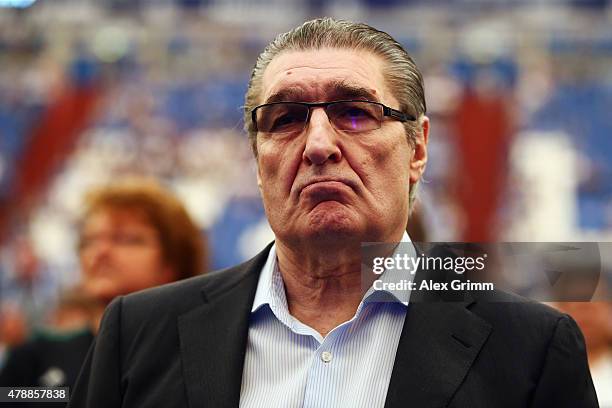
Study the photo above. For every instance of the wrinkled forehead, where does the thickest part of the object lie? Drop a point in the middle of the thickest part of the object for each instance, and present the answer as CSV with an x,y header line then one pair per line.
x,y
324,75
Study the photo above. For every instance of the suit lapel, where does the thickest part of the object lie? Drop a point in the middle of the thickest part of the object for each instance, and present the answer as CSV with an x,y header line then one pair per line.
x,y
213,336
437,347
439,343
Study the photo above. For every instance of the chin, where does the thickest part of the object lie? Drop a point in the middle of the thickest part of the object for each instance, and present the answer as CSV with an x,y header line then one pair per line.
x,y
329,224
102,291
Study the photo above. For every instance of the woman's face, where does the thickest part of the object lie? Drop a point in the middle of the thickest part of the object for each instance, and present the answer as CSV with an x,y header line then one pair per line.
x,y
121,252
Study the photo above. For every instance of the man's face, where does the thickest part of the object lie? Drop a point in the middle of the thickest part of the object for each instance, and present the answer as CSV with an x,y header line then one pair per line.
x,y
327,185
120,253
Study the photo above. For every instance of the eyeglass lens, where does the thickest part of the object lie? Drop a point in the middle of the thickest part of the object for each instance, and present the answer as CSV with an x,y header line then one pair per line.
x,y
346,116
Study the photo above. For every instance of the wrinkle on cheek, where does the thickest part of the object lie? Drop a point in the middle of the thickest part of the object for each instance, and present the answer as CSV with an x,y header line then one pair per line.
x,y
385,157
265,159
279,164
294,167
362,171
374,158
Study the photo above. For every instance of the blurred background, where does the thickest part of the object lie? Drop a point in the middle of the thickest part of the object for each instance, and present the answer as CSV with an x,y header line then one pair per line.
x,y
519,93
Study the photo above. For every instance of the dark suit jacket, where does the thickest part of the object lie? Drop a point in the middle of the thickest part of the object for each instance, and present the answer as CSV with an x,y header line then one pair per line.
x,y
183,345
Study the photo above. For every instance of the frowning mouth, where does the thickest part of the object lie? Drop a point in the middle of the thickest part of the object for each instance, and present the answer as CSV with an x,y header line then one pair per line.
x,y
326,186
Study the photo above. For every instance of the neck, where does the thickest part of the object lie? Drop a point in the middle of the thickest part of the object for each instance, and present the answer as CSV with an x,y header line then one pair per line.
x,y
323,286
96,319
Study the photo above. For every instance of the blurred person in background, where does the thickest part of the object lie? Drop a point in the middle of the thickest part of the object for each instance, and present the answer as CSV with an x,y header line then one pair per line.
x,y
134,235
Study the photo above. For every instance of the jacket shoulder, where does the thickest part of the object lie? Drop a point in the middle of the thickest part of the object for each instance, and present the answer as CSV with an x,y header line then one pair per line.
x,y
514,309
524,328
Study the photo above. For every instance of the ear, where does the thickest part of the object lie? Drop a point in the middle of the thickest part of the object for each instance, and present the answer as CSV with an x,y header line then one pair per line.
x,y
419,155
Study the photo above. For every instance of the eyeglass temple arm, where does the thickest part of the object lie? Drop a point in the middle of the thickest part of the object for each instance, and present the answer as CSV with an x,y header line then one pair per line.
x,y
401,116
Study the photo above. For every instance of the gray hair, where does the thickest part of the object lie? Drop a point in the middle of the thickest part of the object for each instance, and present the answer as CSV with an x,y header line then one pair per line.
x,y
402,75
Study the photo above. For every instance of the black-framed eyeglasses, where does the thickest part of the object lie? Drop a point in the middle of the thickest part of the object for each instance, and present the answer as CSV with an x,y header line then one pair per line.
x,y
346,116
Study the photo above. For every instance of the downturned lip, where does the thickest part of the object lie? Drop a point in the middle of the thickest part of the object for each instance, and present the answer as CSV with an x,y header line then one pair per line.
x,y
344,181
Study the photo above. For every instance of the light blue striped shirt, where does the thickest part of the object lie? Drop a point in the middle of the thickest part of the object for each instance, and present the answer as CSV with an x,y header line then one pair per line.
x,y
289,364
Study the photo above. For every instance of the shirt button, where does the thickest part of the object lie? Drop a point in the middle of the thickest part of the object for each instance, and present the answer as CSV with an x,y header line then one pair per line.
x,y
326,356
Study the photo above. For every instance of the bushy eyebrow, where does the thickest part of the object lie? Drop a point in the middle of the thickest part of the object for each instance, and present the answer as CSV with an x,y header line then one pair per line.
x,y
342,90
335,90
293,94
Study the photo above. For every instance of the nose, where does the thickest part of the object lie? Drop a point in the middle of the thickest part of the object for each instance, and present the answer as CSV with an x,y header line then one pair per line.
x,y
98,251
321,140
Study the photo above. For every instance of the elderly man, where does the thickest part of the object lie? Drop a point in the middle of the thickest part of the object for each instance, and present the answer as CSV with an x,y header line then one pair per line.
x,y
335,113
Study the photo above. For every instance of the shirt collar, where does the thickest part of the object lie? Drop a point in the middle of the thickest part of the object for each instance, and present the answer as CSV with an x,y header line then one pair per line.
x,y
394,276
271,290
263,294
